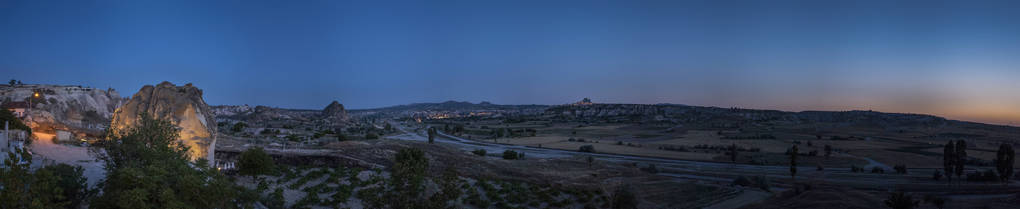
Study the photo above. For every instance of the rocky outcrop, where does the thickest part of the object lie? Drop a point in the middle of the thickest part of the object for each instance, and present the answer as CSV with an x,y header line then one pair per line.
x,y
77,109
182,105
335,112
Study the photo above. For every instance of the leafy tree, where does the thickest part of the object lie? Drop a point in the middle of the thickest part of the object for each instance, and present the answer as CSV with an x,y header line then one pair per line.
x,y
15,123
432,134
341,137
1004,160
900,200
43,189
949,160
793,162
12,82
371,135
147,167
961,157
71,180
238,127
590,160
408,178
254,162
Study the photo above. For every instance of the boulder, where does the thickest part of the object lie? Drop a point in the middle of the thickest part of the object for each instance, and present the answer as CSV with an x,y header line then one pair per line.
x,y
183,106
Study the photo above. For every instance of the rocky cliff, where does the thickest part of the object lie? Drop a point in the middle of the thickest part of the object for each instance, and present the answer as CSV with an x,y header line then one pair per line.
x,y
80,110
182,105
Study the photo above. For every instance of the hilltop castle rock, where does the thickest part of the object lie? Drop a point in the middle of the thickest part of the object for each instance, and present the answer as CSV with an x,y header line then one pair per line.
x,y
183,106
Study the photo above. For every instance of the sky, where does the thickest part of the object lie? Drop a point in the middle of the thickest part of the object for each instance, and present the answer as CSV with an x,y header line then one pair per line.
x,y
957,59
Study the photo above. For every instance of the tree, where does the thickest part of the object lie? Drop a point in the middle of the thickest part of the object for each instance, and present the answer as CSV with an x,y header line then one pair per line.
x,y
961,157
371,135
590,160
1004,160
12,82
341,137
900,200
238,127
949,161
15,122
147,167
254,162
71,181
408,178
432,134
793,162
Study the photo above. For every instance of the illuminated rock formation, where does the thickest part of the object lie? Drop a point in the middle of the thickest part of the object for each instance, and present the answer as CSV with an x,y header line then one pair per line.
x,y
182,105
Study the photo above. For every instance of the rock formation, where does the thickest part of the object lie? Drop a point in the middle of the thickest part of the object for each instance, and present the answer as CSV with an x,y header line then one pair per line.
x,y
77,109
182,105
335,112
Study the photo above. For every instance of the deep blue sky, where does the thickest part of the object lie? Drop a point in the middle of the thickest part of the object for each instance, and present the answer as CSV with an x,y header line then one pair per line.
x,y
955,59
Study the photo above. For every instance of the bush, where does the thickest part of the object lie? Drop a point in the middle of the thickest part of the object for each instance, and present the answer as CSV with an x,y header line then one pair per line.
x,y
254,162
479,152
371,135
587,148
900,169
510,155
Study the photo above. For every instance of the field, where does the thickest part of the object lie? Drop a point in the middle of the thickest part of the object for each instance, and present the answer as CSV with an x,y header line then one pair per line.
x,y
757,145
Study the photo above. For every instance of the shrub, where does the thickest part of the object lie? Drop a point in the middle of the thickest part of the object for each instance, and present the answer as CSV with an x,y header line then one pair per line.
x,y
587,148
510,155
479,152
900,169
371,135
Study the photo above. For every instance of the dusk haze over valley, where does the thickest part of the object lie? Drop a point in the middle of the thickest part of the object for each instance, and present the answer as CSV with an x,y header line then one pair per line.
x,y
509,104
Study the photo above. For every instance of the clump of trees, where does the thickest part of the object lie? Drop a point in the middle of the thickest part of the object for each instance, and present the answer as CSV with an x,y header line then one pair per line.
x,y
55,186
147,167
954,159
254,162
15,123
